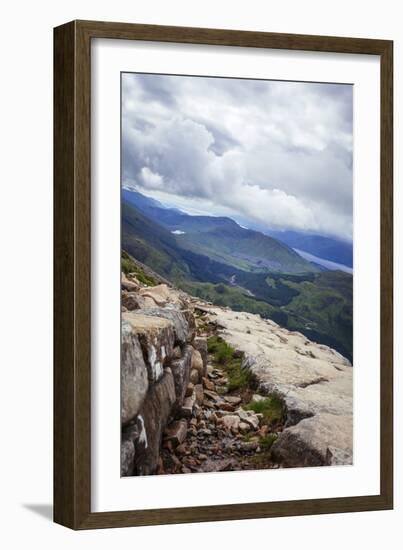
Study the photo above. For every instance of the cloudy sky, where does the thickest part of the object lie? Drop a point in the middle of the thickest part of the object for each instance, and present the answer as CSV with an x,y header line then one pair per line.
x,y
267,153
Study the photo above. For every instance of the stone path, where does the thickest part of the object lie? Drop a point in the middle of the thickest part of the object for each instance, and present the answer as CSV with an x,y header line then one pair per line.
x,y
218,435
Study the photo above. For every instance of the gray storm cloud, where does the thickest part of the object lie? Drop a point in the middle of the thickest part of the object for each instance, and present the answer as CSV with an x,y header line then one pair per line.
x,y
275,153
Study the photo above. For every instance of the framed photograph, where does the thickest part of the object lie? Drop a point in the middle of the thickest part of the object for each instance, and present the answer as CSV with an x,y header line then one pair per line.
x,y
223,274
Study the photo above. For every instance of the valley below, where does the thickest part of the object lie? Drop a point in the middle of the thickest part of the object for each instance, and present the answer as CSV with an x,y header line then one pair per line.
x,y
218,261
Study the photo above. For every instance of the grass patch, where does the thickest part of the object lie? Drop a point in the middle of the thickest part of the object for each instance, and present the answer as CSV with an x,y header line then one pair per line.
x,y
128,266
225,356
267,441
223,352
272,409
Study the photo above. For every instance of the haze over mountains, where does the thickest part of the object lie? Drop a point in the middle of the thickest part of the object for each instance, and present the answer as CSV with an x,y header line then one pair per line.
x,y
220,261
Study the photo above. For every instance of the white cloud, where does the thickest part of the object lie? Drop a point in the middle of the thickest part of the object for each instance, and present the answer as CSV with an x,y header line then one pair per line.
x,y
277,153
150,179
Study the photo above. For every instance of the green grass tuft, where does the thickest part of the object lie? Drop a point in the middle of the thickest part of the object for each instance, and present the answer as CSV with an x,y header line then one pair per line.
x,y
225,356
128,266
272,409
266,441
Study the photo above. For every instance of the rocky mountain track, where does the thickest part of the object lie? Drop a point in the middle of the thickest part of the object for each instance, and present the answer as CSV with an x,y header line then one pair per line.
x,y
208,389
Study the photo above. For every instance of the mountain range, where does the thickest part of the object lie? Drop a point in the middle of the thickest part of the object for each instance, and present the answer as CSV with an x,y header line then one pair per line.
x,y
220,261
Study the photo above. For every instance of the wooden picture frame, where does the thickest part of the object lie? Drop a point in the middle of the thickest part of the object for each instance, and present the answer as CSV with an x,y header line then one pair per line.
x,y
72,271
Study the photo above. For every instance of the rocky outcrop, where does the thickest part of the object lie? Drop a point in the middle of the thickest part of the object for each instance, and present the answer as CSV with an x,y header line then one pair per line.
x,y
183,331
133,374
157,339
314,382
178,415
181,368
153,418
157,358
321,440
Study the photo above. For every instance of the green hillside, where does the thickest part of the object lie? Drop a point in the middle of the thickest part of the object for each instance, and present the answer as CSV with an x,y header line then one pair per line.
x,y
224,240
323,310
316,304
151,244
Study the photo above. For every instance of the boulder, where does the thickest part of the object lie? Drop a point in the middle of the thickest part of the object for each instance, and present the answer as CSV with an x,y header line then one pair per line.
x,y
162,295
194,376
133,374
200,344
131,301
187,407
176,432
253,421
213,396
157,337
313,381
249,417
152,421
178,319
197,363
181,373
129,286
322,440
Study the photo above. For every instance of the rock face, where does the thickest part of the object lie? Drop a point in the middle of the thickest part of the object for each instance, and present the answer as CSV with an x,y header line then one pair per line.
x,y
158,330
133,374
178,319
153,419
181,372
157,338
314,382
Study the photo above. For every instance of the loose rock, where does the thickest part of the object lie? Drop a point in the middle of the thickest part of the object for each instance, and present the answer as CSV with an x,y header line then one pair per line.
x,y
231,422
194,376
176,432
197,362
198,389
208,384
